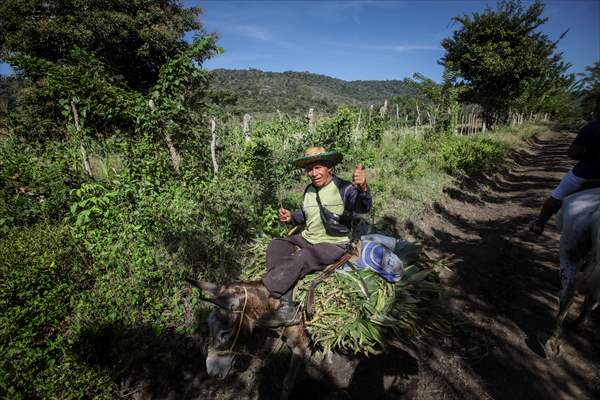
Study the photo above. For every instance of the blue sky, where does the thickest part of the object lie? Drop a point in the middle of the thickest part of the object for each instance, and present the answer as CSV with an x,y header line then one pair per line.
x,y
354,40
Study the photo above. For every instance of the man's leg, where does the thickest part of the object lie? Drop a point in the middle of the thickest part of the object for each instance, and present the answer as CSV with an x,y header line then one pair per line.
x,y
284,270
319,256
280,279
282,255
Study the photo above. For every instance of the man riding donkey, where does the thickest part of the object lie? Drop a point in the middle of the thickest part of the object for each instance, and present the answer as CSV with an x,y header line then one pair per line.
x,y
327,210
586,149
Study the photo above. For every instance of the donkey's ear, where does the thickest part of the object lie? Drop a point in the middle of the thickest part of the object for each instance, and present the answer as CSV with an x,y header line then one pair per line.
x,y
207,287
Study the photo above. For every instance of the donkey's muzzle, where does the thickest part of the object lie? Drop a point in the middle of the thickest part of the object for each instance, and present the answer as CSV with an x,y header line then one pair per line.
x,y
218,364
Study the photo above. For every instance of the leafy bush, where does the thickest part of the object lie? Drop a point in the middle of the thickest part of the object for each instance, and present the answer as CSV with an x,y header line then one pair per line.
x,y
43,270
34,182
455,154
336,131
375,128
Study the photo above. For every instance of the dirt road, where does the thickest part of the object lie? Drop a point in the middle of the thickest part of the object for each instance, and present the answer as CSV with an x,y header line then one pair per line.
x,y
504,284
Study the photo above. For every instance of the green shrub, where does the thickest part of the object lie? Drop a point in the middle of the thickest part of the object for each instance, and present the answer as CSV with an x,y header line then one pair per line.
x,y
456,154
34,182
375,128
43,270
336,132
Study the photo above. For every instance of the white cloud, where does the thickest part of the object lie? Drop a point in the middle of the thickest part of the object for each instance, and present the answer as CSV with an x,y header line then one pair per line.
x,y
404,48
253,31
337,9
396,48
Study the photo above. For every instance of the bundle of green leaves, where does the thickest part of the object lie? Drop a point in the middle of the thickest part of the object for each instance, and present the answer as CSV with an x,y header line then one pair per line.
x,y
358,312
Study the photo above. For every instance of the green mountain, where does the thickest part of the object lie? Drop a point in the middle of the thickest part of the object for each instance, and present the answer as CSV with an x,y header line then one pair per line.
x,y
296,92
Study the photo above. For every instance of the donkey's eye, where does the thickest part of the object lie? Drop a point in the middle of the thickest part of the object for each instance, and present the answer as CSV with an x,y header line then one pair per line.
x,y
224,334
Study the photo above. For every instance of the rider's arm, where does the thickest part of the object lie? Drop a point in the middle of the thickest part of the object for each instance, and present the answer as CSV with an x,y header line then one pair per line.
x,y
576,152
357,200
582,142
298,217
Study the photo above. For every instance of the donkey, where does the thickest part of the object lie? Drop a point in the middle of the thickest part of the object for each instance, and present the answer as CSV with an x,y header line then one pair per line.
x,y
579,224
240,308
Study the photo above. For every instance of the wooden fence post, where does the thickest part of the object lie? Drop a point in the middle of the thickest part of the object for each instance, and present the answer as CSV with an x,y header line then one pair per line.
x,y
383,110
310,118
472,124
431,119
84,154
418,120
213,143
246,126
172,152
168,141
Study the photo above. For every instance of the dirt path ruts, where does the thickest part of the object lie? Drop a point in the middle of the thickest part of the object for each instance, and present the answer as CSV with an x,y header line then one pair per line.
x,y
504,284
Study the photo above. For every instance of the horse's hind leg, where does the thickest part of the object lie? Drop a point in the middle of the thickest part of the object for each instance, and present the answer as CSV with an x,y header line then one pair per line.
x,y
586,310
552,346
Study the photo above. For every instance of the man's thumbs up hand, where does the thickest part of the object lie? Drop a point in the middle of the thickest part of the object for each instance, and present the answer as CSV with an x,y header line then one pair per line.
x,y
359,178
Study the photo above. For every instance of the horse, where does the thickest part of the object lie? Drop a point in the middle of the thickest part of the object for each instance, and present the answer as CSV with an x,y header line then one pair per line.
x,y
579,224
240,308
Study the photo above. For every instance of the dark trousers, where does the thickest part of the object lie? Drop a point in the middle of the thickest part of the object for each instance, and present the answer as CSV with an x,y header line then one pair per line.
x,y
291,259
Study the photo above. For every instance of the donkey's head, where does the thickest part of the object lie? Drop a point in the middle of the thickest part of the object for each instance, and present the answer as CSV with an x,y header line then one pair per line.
x,y
238,308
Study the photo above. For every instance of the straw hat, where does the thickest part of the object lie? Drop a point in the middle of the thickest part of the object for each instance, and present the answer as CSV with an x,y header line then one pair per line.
x,y
313,154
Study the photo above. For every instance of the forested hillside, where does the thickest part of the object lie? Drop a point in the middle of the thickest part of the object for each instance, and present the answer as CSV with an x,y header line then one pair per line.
x,y
294,92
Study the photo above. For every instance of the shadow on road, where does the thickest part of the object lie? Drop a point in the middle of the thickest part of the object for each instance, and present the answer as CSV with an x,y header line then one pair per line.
x,y
505,281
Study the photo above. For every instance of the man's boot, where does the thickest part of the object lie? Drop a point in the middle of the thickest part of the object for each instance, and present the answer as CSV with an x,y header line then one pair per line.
x,y
287,314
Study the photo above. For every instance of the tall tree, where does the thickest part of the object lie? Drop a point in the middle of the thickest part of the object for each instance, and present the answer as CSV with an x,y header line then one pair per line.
x,y
106,57
590,91
133,37
499,55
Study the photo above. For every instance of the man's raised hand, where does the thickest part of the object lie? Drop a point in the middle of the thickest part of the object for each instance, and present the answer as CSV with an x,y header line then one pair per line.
x,y
359,178
285,216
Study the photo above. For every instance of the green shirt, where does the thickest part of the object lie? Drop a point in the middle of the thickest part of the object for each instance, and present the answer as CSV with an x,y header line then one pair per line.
x,y
314,231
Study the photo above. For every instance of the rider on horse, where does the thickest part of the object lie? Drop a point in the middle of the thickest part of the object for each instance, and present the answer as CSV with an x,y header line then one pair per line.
x,y
586,149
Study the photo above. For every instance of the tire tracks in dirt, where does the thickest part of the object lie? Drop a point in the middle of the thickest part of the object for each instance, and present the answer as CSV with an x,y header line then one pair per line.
x,y
504,286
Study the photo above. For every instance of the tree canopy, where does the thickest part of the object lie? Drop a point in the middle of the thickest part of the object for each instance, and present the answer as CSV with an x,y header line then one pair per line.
x,y
109,58
590,91
503,60
133,37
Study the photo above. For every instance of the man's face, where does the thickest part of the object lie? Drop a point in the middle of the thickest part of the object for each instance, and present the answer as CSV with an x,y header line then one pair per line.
x,y
319,173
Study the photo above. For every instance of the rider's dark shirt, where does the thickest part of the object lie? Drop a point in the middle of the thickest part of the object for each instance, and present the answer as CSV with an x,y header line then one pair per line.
x,y
589,137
